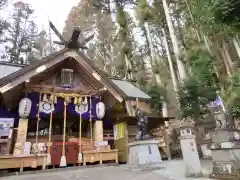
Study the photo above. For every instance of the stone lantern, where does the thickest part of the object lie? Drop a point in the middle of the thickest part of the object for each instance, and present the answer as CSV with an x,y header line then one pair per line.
x,y
189,150
225,149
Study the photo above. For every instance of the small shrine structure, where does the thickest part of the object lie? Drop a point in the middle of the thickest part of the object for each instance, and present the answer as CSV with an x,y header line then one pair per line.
x,y
64,110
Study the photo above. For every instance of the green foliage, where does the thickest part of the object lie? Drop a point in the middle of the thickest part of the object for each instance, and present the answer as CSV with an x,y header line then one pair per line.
x,y
227,12
231,95
194,97
121,17
235,106
143,11
200,88
158,95
202,66
20,34
204,16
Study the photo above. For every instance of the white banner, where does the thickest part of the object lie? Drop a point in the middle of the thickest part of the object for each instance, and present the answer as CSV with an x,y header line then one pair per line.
x,y
115,131
82,108
45,107
101,143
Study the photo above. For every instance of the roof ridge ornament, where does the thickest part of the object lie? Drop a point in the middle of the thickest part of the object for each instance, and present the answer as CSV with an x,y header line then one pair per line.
x,y
73,42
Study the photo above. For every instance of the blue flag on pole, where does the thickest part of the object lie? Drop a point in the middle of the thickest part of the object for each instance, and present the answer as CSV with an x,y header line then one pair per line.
x,y
216,103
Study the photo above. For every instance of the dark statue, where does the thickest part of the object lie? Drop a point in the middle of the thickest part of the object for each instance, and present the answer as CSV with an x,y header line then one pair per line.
x,y
142,124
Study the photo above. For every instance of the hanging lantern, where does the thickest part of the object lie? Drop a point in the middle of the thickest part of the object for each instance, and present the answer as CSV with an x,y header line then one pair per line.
x,y
25,106
100,110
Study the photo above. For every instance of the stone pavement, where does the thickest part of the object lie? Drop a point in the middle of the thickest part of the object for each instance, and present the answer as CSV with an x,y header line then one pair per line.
x,y
94,173
168,170
175,170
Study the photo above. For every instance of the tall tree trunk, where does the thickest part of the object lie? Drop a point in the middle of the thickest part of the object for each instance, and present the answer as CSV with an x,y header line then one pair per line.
x,y
149,42
164,103
152,57
170,63
237,46
193,22
207,43
176,49
227,56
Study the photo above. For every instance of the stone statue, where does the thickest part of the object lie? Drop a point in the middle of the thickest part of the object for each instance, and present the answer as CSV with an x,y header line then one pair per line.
x,y
142,124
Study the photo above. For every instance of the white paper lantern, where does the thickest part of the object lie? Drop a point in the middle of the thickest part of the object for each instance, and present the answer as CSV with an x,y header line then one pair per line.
x,y
100,110
25,106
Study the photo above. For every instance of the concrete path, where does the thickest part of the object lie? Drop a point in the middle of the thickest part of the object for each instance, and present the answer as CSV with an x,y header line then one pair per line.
x,y
175,170
168,170
94,173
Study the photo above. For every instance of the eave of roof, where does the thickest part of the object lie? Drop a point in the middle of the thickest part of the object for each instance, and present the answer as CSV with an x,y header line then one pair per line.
x,y
15,75
130,90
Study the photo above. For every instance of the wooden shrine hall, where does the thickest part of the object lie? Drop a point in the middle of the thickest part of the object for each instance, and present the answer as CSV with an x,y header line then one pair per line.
x,y
63,110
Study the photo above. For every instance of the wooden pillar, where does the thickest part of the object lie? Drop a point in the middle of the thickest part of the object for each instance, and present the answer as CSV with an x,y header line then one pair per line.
x,y
98,130
21,136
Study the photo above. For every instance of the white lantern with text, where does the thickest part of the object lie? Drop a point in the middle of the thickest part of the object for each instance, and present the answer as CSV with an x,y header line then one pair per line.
x,y
25,106
100,110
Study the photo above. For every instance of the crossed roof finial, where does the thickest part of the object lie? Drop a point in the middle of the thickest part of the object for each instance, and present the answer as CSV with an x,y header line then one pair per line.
x,y
73,42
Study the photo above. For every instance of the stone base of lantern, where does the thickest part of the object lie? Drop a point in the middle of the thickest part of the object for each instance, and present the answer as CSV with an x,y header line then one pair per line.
x,y
144,152
226,154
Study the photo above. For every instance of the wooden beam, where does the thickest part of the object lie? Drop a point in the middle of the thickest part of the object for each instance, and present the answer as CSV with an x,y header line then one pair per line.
x,y
95,74
32,73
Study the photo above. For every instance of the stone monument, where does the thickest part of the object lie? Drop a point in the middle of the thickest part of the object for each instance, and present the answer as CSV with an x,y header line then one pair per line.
x,y
189,150
225,148
144,150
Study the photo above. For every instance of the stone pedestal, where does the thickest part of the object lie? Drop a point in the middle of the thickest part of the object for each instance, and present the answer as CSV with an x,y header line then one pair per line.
x,y
144,152
206,149
226,154
189,151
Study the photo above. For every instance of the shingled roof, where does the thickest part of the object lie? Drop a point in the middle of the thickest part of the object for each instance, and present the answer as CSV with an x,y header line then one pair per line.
x,y
121,90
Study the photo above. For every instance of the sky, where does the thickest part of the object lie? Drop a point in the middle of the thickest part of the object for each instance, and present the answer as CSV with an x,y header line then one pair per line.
x,y
56,10
44,10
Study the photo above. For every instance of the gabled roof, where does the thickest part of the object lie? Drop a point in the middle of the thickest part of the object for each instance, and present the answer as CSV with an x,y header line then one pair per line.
x,y
130,90
123,88
16,74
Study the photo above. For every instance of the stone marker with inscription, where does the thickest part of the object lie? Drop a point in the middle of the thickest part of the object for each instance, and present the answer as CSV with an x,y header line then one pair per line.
x,y
189,150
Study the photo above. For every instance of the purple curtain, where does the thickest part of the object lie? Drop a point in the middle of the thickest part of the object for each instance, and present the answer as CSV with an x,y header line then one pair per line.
x,y
59,107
